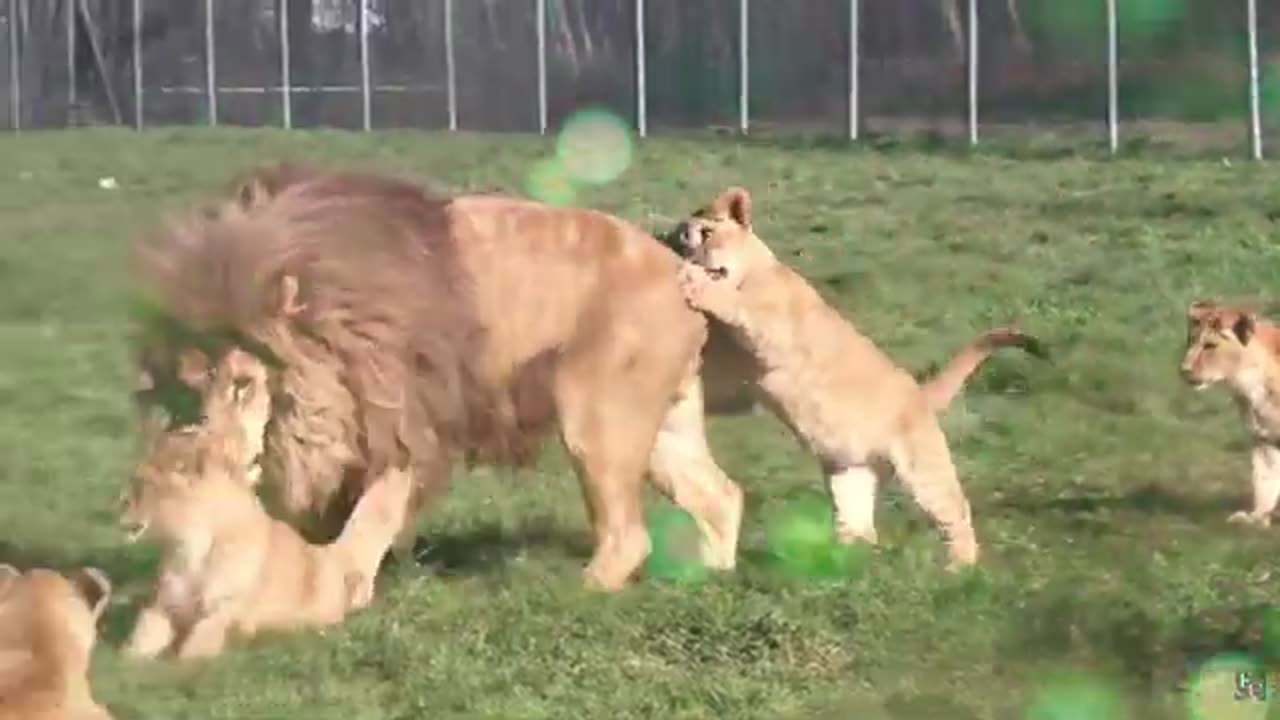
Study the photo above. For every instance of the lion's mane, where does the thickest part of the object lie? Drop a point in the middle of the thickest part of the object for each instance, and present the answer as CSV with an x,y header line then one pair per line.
x,y
373,354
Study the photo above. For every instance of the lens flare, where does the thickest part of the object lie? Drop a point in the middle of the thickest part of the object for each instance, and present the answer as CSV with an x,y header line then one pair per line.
x,y
594,147
675,555
1231,686
802,542
1077,696
548,183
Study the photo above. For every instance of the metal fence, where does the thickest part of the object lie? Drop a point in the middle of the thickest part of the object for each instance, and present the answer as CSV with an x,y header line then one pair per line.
x,y
1200,72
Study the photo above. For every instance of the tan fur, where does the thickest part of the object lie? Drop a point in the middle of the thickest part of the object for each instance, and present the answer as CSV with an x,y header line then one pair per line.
x,y
1238,348
401,329
228,567
48,627
843,397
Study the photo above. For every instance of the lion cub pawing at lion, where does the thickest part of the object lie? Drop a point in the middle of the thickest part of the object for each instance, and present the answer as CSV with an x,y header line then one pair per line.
x,y
48,627
845,399
229,567
1241,350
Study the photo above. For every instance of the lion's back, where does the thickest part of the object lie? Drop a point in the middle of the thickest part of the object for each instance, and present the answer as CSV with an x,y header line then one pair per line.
x,y
555,272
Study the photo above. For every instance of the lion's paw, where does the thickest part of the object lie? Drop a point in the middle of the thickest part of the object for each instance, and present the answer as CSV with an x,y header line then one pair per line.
x,y
1242,517
702,291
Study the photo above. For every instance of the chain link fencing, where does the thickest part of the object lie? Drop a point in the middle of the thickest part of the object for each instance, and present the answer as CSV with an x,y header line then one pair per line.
x,y
1200,75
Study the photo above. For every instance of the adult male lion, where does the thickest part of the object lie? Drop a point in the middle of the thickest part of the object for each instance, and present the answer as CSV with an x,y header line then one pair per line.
x,y
844,398
404,330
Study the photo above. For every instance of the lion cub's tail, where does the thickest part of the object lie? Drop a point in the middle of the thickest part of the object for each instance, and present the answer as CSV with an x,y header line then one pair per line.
x,y
944,386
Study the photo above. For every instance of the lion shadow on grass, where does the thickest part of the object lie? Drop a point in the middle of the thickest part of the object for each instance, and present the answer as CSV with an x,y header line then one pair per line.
x,y
1142,651
1148,499
490,548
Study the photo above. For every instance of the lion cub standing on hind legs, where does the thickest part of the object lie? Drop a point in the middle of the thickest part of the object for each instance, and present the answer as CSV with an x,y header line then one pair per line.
x,y
1234,346
852,405
229,567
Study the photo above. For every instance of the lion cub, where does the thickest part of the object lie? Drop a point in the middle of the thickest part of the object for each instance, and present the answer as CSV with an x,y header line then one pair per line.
x,y
1238,348
48,627
229,567
843,397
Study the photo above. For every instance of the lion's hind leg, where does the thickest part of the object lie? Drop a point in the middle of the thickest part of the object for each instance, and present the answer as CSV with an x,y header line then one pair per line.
x,y
922,461
608,438
853,491
682,468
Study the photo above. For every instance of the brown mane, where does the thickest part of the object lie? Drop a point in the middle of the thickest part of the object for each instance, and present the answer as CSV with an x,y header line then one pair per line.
x,y
375,346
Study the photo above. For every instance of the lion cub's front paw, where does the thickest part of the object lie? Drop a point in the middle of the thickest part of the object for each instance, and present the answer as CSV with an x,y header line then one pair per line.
x,y
702,291
1247,518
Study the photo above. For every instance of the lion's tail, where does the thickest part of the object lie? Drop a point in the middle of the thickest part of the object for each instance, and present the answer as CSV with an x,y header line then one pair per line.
x,y
943,387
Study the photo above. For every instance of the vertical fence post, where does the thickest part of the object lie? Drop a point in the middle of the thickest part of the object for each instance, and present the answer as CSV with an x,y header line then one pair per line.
x,y
1113,80
15,66
642,90
286,90
855,51
210,66
1255,99
973,72
540,10
744,67
71,58
450,71
366,94
137,64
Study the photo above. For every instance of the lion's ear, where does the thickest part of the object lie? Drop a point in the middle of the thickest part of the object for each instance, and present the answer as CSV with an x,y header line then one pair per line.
x,y
193,368
94,586
1198,310
1243,327
736,204
290,290
9,577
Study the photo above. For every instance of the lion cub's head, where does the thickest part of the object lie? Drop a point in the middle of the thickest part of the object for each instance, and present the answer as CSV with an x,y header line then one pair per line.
x,y
1221,343
45,614
180,484
228,386
720,238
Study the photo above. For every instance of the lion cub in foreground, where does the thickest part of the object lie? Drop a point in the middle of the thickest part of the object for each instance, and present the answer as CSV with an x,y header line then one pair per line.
x,y
229,567
1241,350
48,627
851,404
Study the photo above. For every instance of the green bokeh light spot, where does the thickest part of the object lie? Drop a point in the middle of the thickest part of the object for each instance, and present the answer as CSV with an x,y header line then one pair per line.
x,y
1077,697
1211,694
802,542
1078,22
594,147
1270,90
548,183
675,555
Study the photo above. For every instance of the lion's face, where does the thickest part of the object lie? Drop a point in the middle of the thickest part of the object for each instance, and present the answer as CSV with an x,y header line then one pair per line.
x,y
234,393
181,481
160,501
719,237
1217,344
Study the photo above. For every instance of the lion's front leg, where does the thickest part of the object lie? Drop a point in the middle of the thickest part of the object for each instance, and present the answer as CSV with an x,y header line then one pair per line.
x,y
708,294
208,636
152,633
1265,481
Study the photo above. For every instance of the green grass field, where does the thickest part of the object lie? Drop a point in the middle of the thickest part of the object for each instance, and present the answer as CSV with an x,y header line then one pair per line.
x,y
1100,484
